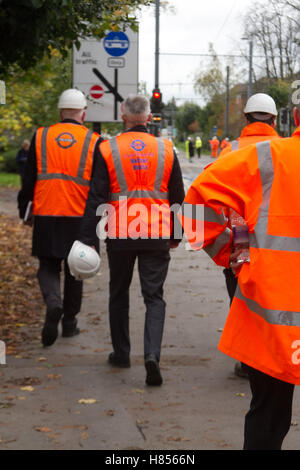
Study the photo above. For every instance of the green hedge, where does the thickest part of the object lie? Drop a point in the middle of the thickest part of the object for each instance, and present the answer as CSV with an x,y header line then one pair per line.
x,y
8,162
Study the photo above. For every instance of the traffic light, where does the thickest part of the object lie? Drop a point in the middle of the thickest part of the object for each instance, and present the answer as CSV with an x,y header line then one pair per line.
x,y
283,116
156,101
284,121
156,118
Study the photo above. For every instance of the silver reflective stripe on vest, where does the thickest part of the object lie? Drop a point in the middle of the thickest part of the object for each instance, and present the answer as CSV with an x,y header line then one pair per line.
x,y
202,213
260,237
84,154
62,176
118,166
138,193
220,242
274,317
44,151
234,145
160,165
44,175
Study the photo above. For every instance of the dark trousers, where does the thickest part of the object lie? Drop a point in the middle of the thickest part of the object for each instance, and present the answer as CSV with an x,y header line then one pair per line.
x,y
269,417
49,274
153,269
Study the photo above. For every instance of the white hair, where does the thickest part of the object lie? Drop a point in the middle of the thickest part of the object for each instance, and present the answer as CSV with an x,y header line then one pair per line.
x,y
136,108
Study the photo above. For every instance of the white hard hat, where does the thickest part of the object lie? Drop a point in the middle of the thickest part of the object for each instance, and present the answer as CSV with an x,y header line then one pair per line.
x,y
72,99
261,103
83,261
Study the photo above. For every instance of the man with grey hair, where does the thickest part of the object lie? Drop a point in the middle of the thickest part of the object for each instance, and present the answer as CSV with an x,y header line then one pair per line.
x,y
136,107
139,177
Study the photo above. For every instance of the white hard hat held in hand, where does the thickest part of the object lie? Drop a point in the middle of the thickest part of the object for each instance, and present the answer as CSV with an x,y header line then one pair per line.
x,y
72,99
84,261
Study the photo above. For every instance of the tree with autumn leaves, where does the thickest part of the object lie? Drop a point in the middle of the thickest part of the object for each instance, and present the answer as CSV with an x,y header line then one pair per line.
x,y
36,39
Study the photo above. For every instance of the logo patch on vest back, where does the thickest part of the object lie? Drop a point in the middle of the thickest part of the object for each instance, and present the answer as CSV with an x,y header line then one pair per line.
x,y
138,145
65,140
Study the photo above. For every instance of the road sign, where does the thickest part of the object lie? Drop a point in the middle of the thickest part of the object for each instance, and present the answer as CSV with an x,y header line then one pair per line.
x,y
112,64
96,92
116,43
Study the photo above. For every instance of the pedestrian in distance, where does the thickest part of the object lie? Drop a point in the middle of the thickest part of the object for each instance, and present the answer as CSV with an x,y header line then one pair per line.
x,y
191,149
214,146
22,157
136,173
225,143
260,182
198,146
57,181
187,148
260,116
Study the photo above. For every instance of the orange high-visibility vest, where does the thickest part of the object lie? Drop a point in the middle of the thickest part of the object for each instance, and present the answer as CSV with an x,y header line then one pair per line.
x,y
225,143
214,145
139,167
251,134
262,184
64,153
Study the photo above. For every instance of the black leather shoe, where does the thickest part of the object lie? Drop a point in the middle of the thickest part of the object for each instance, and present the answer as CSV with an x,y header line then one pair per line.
x,y
153,371
50,328
69,328
118,361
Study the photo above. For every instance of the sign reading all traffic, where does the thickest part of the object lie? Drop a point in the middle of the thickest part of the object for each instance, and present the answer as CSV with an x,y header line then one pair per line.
x,y
106,71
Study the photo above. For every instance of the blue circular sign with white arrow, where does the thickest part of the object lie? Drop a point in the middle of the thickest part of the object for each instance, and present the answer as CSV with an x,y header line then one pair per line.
x,y
116,43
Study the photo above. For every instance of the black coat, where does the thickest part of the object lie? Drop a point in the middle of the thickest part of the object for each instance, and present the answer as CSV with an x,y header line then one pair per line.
x,y
52,236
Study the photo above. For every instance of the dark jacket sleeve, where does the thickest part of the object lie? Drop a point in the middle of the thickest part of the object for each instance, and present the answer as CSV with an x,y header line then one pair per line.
x,y
176,198
98,194
27,191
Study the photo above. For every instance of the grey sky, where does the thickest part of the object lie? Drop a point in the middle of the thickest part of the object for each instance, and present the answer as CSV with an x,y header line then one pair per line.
x,y
195,24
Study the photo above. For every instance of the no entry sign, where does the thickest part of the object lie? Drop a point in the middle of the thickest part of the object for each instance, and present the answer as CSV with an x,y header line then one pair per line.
x,y
96,92
106,71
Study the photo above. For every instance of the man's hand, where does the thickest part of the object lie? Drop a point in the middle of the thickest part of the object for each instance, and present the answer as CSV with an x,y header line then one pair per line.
x,y
234,263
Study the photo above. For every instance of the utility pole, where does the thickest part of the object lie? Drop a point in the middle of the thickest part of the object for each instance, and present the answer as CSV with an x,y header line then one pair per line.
x,y
250,67
156,100
227,103
157,43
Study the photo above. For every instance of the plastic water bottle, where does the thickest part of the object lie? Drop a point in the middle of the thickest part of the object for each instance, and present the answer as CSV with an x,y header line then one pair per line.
x,y
240,237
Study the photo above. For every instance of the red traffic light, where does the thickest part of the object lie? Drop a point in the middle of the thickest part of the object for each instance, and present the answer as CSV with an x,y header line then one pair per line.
x,y
156,95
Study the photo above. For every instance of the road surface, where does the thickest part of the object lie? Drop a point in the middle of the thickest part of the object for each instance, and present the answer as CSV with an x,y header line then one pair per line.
x,y
68,397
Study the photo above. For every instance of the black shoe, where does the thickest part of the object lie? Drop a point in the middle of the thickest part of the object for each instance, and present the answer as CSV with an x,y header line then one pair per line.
x,y
69,328
118,361
50,328
153,372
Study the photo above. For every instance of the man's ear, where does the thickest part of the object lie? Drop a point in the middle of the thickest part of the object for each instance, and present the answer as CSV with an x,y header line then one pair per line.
x,y
149,117
296,114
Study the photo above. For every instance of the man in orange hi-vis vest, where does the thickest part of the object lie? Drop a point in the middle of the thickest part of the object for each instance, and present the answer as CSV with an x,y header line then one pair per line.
x,y
137,181
260,116
214,146
57,181
261,183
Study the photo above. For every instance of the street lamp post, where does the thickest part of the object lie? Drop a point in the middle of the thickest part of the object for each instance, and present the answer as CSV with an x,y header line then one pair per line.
x,y
250,67
250,88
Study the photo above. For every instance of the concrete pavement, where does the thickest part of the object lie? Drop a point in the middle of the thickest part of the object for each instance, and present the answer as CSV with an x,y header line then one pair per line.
x,y
68,397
